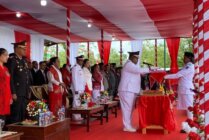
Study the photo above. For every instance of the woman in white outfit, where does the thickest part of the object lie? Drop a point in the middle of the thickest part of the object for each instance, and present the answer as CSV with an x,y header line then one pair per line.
x,y
88,76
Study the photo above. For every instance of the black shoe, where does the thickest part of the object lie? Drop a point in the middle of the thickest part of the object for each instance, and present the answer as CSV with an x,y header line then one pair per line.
x,y
182,131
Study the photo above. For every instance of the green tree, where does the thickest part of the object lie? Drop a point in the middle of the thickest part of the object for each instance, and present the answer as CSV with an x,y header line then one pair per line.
x,y
148,52
62,54
185,45
115,57
93,52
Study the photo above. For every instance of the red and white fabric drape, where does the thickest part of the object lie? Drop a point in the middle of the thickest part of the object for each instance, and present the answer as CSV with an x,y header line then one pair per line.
x,y
173,47
104,50
202,53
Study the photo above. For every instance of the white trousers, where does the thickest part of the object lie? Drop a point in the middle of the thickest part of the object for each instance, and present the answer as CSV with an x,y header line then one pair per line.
x,y
76,103
127,101
185,101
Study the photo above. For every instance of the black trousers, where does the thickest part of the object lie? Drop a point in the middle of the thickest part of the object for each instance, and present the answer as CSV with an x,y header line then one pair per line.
x,y
3,117
18,110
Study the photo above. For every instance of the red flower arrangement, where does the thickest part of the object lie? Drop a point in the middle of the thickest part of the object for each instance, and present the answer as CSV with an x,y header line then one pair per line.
x,y
190,109
194,136
85,98
35,107
195,128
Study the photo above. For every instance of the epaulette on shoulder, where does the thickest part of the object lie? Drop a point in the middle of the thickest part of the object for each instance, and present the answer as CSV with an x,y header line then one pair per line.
x,y
11,57
189,64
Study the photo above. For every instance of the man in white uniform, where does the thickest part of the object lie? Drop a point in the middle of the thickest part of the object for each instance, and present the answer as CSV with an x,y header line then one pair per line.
x,y
78,85
185,84
128,89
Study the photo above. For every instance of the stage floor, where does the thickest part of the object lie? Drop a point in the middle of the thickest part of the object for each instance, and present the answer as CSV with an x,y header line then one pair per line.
x,y
113,130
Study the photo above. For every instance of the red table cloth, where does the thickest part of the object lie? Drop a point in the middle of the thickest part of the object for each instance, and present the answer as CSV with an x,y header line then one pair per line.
x,y
156,110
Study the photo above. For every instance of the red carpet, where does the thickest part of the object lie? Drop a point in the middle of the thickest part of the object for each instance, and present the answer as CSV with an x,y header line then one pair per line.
x,y
113,131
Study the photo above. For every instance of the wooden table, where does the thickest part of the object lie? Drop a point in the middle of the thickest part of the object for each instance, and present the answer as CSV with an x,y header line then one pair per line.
x,y
87,113
12,137
109,106
58,130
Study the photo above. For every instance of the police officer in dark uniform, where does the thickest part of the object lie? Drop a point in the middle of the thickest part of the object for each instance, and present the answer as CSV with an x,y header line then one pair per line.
x,y
19,72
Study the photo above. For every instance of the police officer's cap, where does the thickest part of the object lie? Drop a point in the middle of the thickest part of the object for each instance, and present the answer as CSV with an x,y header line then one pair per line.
x,y
136,54
21,44
80,57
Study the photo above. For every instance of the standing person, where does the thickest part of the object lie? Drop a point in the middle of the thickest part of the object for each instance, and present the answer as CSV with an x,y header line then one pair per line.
x,y
5,92
112,80
20,80
41,77
97,82
55,85
185,84
105,76
34,70
128,89
78,85
118,77
88,76
67,76
67,79
30,67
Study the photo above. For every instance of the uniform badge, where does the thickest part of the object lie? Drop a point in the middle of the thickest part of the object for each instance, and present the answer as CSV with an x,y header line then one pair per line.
x,y
26,65
187,67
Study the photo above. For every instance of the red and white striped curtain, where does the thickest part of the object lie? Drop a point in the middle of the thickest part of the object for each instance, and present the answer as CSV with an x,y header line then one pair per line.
x,y
201,50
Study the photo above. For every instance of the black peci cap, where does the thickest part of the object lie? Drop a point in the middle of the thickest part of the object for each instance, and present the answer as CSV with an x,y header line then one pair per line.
x,y
189,54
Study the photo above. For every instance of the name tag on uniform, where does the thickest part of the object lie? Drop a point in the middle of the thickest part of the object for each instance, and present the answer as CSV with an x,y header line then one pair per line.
x,y
80,72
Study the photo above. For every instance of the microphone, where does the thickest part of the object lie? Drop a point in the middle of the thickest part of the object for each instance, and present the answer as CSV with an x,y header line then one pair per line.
x,y
147,64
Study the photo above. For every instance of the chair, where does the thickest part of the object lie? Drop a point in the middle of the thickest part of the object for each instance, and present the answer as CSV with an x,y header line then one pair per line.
x,y
39,92
45,88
